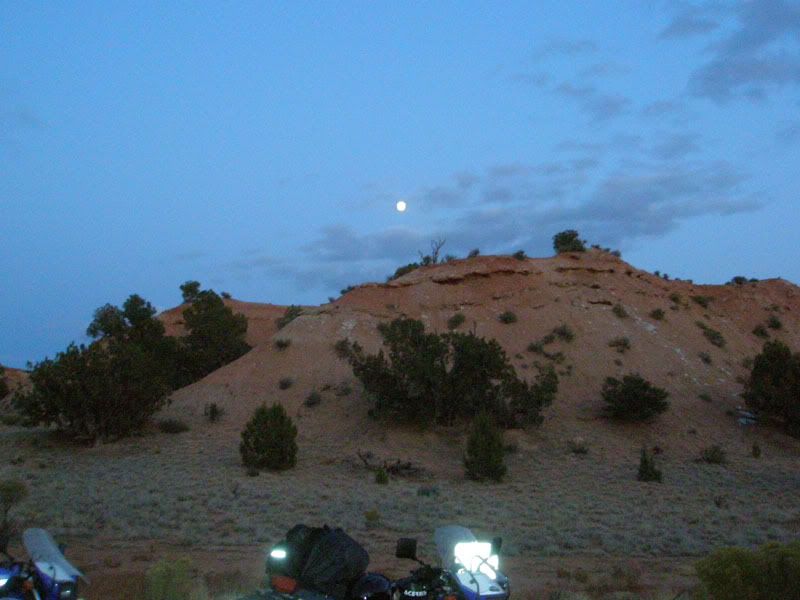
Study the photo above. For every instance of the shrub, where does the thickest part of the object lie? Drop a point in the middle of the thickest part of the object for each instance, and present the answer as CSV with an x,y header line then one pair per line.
x,y
756,451
426,378
284,383
10,419
705,397
563,332
703,301
372,518
216,336
3,384
404,270
568,241
768,572
507,317
657,314
578,446
381,476
520,255
428,491
347,290
110,388
172,426
647,467
12,492
760,331
291,313
103,391
713,455
313,399
473,253
282,343
174,580
712,335
342,348
675,298
190,290
620,311
773,387
343,389
633,398
456,321
485,454
774,322
536,347
213,412
581,576
705,357
620,344
269,439
225,295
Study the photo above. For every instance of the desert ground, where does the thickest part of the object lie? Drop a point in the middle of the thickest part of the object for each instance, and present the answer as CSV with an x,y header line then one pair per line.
x,y
570,522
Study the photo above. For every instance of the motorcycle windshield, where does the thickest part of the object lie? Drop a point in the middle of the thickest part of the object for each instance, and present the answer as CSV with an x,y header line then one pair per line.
x,y
446,539
459,549
47,557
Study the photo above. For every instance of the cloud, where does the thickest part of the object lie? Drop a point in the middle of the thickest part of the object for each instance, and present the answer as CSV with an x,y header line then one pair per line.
x,y
190,256
691,21
662,108
676,145
621,142
569,48
599,106
651,191
16,121
605,69
617,207
722,78
789,133
534,79
761,53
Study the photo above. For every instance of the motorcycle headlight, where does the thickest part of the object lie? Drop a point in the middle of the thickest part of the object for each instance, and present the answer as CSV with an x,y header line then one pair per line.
x,y
3,582
477,556
277,553
66,591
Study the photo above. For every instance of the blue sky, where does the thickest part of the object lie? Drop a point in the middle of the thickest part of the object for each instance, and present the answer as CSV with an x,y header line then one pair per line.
x,y
260,147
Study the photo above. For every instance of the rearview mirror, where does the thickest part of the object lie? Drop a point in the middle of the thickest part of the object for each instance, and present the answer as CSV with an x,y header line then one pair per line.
x,y
497,543
406,548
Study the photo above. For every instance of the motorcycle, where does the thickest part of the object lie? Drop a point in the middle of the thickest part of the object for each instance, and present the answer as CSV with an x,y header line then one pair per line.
x,y
469,570
48,575
320,563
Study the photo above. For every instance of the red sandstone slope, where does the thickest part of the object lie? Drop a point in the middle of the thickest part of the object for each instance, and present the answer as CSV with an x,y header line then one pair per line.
x,y
578,290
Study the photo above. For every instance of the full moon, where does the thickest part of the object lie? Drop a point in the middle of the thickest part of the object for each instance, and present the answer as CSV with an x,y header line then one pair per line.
x,y
401,206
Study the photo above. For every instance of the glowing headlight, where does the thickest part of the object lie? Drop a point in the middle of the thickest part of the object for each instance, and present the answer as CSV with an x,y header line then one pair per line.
x,y
278,553
3,581
477,556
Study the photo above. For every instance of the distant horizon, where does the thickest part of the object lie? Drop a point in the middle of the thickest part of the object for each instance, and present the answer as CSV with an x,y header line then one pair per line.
x,y
262,148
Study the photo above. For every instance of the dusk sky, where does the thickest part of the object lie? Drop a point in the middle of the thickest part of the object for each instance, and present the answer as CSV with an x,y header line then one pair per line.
x,y
260,147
